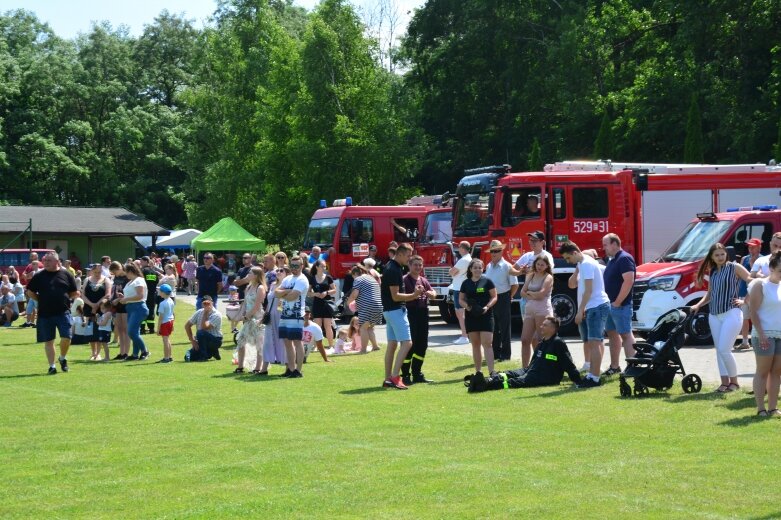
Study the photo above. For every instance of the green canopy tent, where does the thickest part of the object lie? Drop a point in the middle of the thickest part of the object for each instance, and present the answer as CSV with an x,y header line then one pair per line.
x,y
227,235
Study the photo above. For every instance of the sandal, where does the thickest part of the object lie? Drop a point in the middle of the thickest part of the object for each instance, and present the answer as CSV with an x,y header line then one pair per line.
x,y
742,347
723,389
774,413
239,371
732,387
763,413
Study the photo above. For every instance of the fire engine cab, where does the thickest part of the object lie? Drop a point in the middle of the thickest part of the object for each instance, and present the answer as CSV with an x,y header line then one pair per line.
x,y
645,204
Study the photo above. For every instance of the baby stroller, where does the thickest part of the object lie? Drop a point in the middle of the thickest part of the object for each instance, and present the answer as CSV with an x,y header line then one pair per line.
x,y
657,361
233,311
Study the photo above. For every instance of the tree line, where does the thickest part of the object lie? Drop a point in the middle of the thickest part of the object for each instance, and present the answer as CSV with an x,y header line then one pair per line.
x,y
270,108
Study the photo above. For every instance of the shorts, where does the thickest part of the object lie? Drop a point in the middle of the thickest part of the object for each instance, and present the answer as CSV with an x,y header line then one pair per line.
x,y
773,350
167,328
398,325
456,302
619,319
592,328
47,327
103,336
291,328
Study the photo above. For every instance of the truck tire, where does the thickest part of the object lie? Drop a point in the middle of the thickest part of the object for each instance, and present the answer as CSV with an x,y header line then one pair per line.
x,y
565,306
448,312
698,328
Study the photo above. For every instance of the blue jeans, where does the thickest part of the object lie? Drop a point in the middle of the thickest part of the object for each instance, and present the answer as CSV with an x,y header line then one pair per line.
x,y
136,314
620,319
208,346
592,328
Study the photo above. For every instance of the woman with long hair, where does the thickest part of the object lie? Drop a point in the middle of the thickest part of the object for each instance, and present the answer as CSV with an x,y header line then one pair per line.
x,y
537,291
133,297
478,297
120,313
322,290
765,309
251,333
725,317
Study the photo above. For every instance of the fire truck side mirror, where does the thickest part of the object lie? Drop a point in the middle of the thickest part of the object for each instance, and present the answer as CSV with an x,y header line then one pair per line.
x,y
491,197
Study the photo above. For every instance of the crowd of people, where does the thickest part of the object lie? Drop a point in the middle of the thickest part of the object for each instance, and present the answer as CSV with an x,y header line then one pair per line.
x,y
286,308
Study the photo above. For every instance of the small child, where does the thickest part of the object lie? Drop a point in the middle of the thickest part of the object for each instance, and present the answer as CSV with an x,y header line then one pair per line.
x,y
105,322
233,308
77,312
355,334
165,320
342,341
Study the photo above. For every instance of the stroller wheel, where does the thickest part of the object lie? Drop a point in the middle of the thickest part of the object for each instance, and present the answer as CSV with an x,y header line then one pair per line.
x,y
691,384
624,388
235,337
641,389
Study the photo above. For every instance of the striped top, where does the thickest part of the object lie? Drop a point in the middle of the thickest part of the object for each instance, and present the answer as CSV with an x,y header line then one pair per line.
x,y
723,289
369,301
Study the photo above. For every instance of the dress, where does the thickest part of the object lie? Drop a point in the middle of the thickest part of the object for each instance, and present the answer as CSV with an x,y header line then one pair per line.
x,y
273,346
477,295
538,308
368,305
252,332
320,306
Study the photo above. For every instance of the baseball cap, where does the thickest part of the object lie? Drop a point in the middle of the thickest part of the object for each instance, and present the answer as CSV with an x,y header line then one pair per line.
x,y
539,235
753,242
308,309
372,248
165,288
206,298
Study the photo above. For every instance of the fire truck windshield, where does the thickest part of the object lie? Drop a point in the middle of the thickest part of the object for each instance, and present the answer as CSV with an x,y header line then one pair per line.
x,y
696,239
471,215
438,228
320,232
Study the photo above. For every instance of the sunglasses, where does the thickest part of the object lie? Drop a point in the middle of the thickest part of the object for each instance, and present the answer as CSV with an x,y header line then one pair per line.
x,y
295,266
496,251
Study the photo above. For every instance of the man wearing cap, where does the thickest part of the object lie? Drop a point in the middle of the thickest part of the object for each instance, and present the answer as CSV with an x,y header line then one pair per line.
x,y
498,271
619,279
754,248
208,337
152,278
209,278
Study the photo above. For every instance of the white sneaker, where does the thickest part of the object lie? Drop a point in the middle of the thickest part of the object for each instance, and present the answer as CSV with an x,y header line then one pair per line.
x,y
585,368
462,340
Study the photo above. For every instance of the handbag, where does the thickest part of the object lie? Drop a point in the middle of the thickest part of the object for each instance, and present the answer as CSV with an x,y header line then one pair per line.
x,y
266,314
333,306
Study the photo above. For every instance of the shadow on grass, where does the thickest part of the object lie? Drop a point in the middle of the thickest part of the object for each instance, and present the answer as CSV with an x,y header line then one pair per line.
x,y
361,391
742,422
702,396
17,376
461,368
770,516
644,397
446,382
741,404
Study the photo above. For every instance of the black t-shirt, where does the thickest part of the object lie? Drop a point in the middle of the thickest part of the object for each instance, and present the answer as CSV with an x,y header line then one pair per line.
x,y
151,278
549,362
477,293
324,286
391,275
242,273
53,290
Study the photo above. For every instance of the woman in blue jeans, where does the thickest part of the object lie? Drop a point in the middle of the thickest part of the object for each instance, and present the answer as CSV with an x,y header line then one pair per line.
x,y
134,298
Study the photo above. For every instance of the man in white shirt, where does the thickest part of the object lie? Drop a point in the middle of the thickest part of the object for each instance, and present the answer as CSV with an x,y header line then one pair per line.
x,y
537,243
9,311
459,274
292,293
593,308
498,271
761,267
207,340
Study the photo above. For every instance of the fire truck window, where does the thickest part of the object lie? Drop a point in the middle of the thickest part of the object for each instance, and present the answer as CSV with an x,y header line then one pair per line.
x,y
404,229
559,204
590,203
521,205
761,230
362,231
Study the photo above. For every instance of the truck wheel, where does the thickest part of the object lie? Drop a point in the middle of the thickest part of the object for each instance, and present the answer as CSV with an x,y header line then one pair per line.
x,y
565,307
448,312
698,329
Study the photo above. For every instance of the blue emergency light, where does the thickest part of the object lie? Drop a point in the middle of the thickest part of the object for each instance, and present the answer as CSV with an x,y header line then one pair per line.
x,y
764,207
323,204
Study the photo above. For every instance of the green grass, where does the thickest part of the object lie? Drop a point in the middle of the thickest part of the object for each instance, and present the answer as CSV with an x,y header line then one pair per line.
x,y
192,440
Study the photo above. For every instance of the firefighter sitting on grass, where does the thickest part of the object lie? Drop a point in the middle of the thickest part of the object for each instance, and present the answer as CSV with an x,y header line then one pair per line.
x,y
549,362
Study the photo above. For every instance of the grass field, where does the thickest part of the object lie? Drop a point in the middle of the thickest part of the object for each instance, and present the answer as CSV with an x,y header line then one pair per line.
x,y
142,440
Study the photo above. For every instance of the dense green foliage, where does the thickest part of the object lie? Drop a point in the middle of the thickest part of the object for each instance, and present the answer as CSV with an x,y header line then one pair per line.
x,y
270,108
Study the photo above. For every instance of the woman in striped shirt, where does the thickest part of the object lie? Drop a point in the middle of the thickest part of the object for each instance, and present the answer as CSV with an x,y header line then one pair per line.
x,y
725,317
368,305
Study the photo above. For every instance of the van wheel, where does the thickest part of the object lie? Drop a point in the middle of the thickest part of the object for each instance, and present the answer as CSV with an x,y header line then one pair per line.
x,y
565,307
448,312
698,329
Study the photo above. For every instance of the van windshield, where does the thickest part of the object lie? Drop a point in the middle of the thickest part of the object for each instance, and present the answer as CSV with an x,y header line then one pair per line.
x,y
320,232
471,215
438,229
696,239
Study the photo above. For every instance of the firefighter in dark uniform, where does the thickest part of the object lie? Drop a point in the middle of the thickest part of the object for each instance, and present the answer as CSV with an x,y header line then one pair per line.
x,y
151,276
549,362
417,313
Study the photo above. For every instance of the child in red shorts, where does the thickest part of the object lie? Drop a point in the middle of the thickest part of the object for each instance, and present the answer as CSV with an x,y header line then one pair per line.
x,y
165,320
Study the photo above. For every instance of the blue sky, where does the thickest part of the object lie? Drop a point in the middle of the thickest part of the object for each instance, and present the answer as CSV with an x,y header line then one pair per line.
x,y
70,17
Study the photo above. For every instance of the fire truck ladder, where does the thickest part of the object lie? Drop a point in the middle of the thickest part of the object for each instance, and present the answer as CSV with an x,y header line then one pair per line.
x,y
610,166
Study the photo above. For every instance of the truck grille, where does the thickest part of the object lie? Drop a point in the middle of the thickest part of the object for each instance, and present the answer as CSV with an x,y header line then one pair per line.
x,y
638,291
437,276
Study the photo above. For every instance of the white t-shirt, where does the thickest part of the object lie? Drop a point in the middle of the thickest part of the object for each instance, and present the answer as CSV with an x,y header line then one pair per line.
x,y
526,259
589,269
762,265
462,265
295,309
134,288
312,334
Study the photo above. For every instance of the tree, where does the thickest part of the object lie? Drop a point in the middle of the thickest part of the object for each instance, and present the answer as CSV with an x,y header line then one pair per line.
x,y
603,146
693,147
535,157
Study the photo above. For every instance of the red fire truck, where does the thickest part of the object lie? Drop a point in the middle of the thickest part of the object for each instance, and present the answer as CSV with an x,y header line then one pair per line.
x,y
668,282
581,201
346,232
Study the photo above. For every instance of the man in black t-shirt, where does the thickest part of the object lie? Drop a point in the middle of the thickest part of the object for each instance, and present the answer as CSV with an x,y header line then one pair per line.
x,y
151,277
395,314
242,275
53,289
